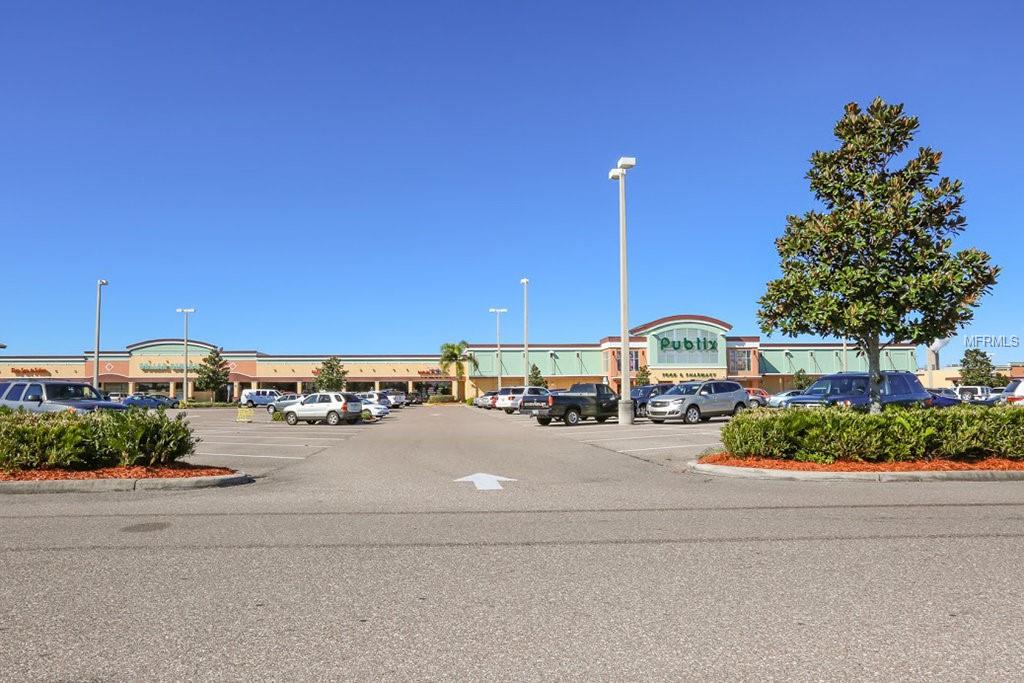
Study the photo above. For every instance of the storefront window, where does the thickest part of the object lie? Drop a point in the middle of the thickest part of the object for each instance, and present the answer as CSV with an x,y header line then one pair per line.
x,y
739,361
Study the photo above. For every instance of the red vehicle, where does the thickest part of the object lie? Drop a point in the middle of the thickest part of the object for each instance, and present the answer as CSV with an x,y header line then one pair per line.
x,y
758,397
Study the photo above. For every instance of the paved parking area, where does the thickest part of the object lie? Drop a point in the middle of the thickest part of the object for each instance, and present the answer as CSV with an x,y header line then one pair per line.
x,y
262,446
672,444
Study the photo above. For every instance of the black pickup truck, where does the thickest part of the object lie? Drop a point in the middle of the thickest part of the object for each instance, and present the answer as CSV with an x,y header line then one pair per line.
x,y
572,407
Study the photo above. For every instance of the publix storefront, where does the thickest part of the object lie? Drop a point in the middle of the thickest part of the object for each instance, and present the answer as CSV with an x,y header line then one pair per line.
x,y
677,348
674,348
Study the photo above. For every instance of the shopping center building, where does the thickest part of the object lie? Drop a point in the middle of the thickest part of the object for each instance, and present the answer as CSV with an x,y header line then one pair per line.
x,y
674,349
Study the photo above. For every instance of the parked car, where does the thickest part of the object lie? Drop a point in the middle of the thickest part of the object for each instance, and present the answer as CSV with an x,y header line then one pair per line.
x,y
396,397
378,397
775,400
1013,393
642,394
484,400
115,396
944,398
850,389
971,393
758,397
508,399
378,410
283,401
694,402
258,397
142,401
53,396
415,399
332,407
572,407
166,401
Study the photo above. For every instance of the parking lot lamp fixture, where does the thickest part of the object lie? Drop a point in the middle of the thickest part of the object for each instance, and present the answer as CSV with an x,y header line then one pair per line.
x,y
525,282
497,314
625,402
96,348
184,385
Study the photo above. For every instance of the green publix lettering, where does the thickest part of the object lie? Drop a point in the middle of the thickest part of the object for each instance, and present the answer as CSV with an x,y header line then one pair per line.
x,y
700,344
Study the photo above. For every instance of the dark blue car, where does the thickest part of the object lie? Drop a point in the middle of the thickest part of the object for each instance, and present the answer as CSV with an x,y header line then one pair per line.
x,y
142,401
850,389
642,394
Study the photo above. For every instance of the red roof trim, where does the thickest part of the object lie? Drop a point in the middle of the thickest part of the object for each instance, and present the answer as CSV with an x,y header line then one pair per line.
x,y
680,318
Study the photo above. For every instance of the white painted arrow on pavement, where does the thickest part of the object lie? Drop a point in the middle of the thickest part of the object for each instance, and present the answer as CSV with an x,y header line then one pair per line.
x,y
485,482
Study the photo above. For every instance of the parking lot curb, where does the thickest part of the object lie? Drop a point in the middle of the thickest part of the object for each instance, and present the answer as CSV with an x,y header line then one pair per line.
x,y
109,485
797,475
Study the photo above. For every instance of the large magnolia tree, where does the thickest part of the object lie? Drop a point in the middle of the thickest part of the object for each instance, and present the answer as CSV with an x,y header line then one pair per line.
x,y
877,264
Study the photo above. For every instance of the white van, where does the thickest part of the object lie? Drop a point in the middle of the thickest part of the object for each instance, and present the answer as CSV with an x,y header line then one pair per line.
x,y
973,393
258,397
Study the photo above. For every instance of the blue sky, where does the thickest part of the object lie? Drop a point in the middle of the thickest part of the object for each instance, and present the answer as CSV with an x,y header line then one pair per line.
x,y
371,178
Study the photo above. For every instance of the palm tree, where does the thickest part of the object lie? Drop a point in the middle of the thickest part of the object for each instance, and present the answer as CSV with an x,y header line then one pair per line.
x,y
454,355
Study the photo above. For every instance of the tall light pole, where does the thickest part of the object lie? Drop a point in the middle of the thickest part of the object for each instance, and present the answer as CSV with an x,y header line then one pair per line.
x,y
184,385
96,349
497,315
526,331
625,402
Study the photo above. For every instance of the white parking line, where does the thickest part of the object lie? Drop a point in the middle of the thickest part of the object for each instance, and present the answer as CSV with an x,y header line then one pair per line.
x,y
259,443
663,435
242,455
664,448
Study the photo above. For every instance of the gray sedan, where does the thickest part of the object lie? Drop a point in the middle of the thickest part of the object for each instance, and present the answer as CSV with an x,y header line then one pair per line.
x,y
284,402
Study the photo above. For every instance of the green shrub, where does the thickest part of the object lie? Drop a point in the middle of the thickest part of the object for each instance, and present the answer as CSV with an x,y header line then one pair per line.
x,y
441,398
469,402
898,434
90,441
277,416
366,416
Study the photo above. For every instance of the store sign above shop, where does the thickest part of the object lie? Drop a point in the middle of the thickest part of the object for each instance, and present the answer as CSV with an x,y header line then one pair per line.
x,y
433,372
30,372
687,344
166,367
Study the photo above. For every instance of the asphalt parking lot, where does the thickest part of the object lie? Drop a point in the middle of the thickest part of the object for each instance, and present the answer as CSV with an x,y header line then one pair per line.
x,y
262,446
672,444
371,553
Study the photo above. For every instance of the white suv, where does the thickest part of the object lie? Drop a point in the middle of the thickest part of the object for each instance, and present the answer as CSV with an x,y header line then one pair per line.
x,y
509,398
397,397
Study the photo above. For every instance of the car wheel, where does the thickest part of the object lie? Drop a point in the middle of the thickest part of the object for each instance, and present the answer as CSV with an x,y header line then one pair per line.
x,y
571,417
250,404
291,418
738,409
333,419
601,420
353,420
509,411
271,409
692,415
642,412
543,421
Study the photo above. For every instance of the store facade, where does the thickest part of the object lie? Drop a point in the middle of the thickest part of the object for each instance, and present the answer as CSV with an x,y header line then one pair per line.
x,y
674,349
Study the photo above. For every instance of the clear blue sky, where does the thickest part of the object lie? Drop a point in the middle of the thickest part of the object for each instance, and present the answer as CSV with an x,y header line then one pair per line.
x,y
371,178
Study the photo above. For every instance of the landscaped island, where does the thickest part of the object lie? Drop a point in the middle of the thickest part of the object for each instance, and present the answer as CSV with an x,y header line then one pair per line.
x,y
898,439
102,444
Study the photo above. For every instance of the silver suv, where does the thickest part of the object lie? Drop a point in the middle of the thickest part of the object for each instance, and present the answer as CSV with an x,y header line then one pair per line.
x,y
694,402
332,407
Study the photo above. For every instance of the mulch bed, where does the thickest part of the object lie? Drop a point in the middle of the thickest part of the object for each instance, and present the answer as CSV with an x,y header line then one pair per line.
x,y
173,471
849,466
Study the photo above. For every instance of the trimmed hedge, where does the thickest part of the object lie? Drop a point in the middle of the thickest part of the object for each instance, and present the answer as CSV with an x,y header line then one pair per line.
x,y
92,440
826,435
441,398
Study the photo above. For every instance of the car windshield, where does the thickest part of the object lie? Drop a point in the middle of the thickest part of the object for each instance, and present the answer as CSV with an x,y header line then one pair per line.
x,y
1011,387
838,386
72,392
688,389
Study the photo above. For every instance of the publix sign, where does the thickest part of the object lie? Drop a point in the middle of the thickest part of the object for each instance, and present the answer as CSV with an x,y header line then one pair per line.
x,y
165,367
687,344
